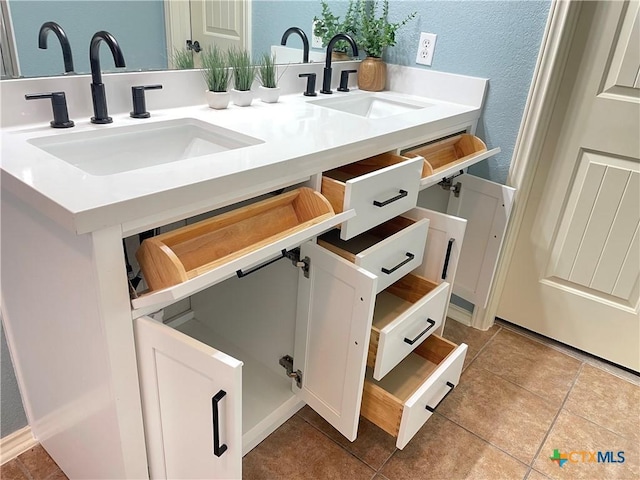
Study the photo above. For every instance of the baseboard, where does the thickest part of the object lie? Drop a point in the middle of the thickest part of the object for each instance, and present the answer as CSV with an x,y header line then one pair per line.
x,y
16,443
459,314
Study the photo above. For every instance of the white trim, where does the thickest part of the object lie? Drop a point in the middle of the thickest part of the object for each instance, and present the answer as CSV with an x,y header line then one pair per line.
x,y
459,314
563,16
16,443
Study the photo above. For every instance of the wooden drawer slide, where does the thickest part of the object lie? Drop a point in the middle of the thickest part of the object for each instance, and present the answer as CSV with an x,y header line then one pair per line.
x,y
405,398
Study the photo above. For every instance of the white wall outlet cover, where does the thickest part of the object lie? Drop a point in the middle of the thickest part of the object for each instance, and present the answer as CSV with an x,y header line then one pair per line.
x,y
316,42
426,47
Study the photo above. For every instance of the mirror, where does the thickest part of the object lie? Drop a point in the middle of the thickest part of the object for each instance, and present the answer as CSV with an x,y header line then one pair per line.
x,y
148,31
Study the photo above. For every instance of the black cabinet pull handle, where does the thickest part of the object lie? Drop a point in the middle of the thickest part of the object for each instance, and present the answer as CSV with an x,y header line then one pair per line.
x,y
241,274
388,271
451,387
447,257
218,449
403,193
411,341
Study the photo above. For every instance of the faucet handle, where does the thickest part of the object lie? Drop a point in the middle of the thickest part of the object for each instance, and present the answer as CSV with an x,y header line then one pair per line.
x,y
344,80
59,106
139,102
311,84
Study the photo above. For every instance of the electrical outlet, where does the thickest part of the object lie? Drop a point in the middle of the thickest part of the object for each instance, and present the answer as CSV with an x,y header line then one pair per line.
x,y
316,42
426,46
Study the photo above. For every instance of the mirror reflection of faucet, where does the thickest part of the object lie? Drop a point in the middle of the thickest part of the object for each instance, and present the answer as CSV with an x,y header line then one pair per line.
x,y
62,38
97,87
303,36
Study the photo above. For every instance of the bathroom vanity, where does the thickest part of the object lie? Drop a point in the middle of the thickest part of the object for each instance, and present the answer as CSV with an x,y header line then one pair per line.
x,y
296,267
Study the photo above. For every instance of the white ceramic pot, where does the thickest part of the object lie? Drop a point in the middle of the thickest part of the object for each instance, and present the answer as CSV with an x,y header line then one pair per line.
x,y
241,98
217,100
269,95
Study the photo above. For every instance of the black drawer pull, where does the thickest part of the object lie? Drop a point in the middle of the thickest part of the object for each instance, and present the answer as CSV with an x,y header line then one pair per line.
x,y
451,387
241,274
218,449
447,257
414,340
403,193
410,256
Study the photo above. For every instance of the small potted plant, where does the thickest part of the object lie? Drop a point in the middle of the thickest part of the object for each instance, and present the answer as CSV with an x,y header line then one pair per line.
x,y
373,36
327,25
244,73
216,72
269,90
182,59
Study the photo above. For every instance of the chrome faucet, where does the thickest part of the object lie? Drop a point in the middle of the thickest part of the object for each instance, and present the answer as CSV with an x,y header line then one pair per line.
x,y
326,79
97,87
305,41
62,38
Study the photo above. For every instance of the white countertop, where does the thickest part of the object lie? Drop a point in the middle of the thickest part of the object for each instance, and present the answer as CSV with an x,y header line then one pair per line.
x,y
300,140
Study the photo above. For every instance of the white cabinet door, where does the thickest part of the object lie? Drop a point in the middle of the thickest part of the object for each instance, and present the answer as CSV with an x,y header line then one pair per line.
x,y
192,405
486,206
333,326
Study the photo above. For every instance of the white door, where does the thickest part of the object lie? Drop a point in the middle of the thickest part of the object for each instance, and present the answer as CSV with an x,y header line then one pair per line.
x,y
333,326
192,405
574,275
225,23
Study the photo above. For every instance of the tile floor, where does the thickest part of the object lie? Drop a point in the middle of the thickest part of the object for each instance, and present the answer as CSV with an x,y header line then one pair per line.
x,y
519,399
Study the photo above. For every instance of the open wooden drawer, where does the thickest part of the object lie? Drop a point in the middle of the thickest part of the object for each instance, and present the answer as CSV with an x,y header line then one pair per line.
x,y
405,315
405,398
377,188
389,250
184,261
447,157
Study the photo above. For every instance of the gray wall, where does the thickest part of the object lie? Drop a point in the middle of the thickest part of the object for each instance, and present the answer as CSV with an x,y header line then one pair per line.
x,y
12,415
138,25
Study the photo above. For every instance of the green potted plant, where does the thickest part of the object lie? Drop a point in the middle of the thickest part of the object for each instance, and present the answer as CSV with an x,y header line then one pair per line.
x,y
375,33
327,25
216,73
182,59
244,73
269,90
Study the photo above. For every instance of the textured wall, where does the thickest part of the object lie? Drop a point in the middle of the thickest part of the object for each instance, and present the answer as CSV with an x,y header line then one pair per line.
x,y
493,39
137,25
12,415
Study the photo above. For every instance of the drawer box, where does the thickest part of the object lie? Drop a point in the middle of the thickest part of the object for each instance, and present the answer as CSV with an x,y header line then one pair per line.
x,y
405,398
405,314
389,250
447,157
185,253
377,188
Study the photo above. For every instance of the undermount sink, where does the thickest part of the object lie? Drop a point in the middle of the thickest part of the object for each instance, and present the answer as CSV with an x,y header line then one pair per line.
x,y
122,149
371,105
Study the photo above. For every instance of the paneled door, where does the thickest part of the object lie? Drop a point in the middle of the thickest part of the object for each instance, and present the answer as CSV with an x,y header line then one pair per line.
x,y
574,275
225,23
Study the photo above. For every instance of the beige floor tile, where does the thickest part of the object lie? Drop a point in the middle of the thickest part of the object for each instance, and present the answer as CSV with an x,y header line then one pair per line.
x,y
444,450
606,400
373,445
500,412
297,450
530,364
474,338
534,475
12,471
572,433
38,462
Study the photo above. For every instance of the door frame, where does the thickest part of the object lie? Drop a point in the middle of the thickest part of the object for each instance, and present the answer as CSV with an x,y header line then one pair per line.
x,y
533,133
